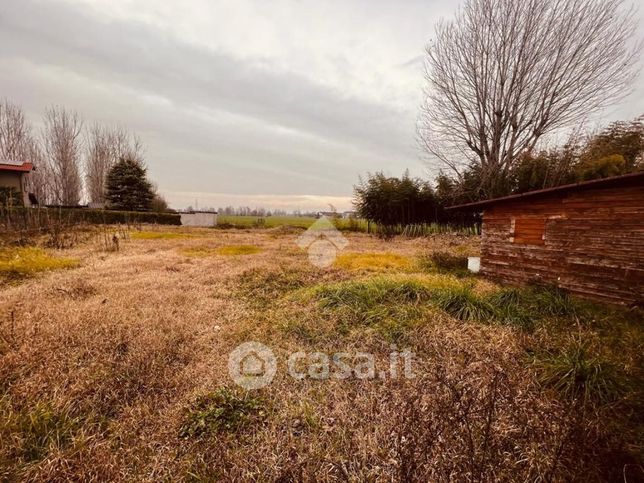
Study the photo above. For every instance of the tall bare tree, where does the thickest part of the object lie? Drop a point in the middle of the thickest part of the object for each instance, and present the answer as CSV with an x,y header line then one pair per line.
x,y
504,73
62,148
106,146
17,142
15,132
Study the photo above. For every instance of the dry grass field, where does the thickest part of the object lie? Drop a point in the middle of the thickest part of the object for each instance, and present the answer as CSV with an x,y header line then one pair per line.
x,y
113,366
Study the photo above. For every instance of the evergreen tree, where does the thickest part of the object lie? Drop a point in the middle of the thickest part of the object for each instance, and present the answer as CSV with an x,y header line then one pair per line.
x,y
127,187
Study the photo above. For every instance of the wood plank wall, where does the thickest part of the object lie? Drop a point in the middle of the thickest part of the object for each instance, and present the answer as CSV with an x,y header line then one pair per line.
x,y
589,242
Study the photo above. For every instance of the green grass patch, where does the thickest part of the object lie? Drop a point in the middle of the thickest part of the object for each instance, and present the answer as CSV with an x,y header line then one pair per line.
x,y
39,430
577,375
223,410
373,262
160,235
463,304
391,305
232,250
26,261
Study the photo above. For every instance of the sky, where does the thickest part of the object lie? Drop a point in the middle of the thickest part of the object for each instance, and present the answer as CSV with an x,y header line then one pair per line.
x,y
278,104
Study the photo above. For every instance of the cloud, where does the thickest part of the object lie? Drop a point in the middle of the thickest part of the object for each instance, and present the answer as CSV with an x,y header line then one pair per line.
x,y
244,97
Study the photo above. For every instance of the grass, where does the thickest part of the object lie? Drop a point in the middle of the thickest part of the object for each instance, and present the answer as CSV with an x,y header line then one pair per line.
x,y
267,222
444,262
27,261
36,432
373,262
160,235
578,375
221,410
118,370
233,250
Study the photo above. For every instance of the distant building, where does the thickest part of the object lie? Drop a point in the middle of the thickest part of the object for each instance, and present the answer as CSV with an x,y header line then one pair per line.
x,y
349,214
13,176
199,218
587,238
328,214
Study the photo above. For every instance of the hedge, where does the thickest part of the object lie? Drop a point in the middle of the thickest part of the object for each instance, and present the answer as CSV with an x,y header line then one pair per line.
x,y
35,217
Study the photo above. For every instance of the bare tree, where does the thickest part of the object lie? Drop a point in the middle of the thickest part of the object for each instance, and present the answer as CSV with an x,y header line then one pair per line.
x,y
105,147
15,132
62,148
505,72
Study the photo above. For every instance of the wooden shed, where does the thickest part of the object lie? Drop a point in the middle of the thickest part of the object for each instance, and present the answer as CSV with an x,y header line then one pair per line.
x,y
587,238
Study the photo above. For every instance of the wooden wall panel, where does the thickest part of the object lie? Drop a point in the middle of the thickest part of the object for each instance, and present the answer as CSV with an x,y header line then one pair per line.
x,y
593,243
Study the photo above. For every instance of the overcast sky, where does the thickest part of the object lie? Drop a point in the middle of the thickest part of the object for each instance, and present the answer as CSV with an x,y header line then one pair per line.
x,y
258,103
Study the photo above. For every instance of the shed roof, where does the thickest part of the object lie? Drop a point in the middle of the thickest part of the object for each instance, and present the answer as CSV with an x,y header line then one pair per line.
x,y
12,165
631,179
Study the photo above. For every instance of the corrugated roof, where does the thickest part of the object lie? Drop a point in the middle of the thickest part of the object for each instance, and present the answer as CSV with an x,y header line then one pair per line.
x,y
630,179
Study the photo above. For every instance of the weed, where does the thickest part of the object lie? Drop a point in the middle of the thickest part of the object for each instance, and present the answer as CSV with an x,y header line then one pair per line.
x,y
576,375
24,262
373,261
222,410
232,250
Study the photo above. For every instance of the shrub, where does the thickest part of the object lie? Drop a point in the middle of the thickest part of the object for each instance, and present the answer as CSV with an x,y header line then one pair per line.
x,y
222,410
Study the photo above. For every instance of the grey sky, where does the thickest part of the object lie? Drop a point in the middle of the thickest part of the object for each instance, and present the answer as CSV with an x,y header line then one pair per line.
x,y
277,104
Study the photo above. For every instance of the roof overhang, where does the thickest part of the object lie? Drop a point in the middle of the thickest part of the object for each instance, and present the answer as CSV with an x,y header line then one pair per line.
x,y
631,179
16,166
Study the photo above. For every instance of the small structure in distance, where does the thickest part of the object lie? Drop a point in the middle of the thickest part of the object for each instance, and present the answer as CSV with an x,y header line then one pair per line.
x,y
199,218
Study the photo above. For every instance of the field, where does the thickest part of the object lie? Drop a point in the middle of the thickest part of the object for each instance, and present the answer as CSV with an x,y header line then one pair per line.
x,y
292,221
114,365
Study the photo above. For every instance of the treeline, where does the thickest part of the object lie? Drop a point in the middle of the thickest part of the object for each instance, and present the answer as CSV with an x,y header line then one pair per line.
x,y
394,202
390,201
72,159
260,212
615,150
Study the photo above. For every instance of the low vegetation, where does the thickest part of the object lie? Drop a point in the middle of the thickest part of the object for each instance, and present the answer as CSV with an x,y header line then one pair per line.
x,y
373,261
233,250
117,367
221,410
19,262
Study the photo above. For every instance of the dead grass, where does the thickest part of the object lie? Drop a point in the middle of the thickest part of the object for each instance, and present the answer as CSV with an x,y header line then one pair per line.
x,y
117,370
161,235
